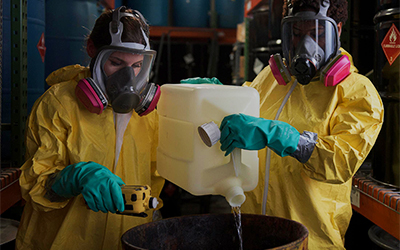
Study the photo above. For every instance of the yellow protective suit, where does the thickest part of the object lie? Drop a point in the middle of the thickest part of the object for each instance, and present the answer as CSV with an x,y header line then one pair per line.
x,y
347,119
60,132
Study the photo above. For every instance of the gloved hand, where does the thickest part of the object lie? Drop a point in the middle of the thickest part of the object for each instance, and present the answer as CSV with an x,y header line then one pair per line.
x,y
99,186
252,133
199,80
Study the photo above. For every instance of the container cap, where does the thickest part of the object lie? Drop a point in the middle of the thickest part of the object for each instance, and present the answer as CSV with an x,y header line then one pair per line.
x,y
209,133
153,202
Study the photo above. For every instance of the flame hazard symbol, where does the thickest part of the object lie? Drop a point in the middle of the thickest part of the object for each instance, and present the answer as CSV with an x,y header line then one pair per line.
x,y
391,44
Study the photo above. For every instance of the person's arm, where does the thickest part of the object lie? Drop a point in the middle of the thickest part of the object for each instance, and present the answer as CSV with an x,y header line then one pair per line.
x,y
354,127
100,188
254,133
46,151
49,177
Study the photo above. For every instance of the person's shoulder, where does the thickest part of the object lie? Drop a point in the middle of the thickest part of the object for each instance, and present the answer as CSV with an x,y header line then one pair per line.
x,y
59,96
67,73
263,82
260,79
355,80
63,82
356,86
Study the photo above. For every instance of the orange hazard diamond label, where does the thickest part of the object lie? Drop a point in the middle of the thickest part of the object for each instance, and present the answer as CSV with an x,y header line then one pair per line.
x,y
41,47
391,44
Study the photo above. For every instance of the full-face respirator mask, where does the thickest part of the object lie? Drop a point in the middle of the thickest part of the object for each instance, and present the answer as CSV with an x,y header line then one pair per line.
x,y
310,45
120,74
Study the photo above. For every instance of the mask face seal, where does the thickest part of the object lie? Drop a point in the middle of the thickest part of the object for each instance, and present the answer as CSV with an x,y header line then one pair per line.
x,y
121,92
309,42
121,73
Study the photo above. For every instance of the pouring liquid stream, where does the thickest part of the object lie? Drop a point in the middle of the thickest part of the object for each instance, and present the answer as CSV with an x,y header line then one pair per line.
x,y
238,223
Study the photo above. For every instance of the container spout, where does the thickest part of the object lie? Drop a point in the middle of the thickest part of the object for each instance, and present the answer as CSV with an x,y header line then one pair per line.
x,y
231,189
235,196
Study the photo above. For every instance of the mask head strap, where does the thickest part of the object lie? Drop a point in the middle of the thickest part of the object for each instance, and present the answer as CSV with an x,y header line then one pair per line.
x,y
290,7
116,28
323,7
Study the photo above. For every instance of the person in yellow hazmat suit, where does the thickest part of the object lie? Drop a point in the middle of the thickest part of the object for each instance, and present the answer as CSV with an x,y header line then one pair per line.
x,y
90,133
318,116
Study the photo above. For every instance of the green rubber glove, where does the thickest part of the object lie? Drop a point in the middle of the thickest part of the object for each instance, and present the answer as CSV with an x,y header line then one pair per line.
x,y
199,80
100,188
252,133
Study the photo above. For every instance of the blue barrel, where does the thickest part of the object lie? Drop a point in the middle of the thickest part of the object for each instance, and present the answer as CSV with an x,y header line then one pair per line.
x,y
36,79
68,22
155,11
36,29
118,3
191,13
230,13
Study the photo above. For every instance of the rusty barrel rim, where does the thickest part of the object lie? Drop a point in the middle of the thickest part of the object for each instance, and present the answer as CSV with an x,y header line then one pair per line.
x,y
246,218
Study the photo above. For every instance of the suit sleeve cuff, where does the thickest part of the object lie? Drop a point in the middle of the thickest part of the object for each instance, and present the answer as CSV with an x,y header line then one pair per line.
x,y
305,147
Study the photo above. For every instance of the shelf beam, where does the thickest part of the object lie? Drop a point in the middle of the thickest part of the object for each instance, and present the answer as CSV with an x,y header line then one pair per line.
x,y
225,36
108,4
378,203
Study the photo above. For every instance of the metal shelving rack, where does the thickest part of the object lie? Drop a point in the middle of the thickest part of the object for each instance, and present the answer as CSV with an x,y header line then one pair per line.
x,y
378,202
19,79
249,6
10,189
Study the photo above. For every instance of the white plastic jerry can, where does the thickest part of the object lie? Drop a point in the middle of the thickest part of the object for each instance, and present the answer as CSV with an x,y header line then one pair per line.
x,y
182,156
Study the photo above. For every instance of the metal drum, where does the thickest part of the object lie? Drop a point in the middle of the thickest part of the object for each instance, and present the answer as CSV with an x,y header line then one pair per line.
x,y
230,13
155,11
386,166
217,231
191,13
68,22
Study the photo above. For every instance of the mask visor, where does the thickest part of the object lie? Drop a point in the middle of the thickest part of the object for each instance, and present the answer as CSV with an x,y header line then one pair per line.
x,y
124,74
311,40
